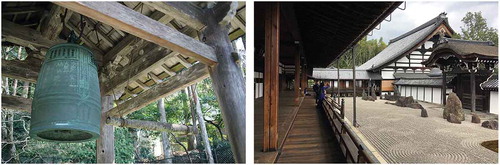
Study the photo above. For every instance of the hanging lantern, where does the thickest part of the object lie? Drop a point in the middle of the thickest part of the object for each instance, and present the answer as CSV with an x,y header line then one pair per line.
x,y
67,103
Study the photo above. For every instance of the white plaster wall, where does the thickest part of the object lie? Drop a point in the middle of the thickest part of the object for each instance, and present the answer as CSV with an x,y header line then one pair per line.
x,y
387,75
437,96
420,95
494,102
428,94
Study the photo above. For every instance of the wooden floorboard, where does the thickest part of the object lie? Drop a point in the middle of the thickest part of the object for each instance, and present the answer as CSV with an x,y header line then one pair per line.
x,y
286,112
310,139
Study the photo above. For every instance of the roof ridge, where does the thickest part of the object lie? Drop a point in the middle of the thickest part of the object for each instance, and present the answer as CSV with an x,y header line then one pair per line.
x,y
436,20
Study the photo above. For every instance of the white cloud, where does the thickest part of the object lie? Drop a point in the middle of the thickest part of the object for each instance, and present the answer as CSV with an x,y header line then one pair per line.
x,y
417,13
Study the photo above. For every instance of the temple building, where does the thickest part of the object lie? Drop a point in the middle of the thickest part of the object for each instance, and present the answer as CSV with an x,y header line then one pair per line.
x,y
412,64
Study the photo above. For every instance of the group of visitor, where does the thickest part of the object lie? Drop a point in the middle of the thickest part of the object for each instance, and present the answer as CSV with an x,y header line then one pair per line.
x,y
320,90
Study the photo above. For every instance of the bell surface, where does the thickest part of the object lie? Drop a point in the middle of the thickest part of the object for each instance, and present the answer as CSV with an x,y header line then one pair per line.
x,y
67,102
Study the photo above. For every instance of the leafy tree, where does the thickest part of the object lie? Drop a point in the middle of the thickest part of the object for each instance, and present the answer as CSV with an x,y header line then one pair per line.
x,y
476,28
364,51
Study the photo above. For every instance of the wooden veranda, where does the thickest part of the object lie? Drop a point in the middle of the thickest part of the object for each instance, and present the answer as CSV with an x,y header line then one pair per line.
x,y
144,51
302,36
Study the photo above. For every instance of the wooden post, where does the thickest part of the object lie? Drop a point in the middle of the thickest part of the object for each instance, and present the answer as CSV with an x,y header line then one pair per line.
x,y
354,123
106,142
229,86
473,91
338,80
26,89
164,136
296,83
271,73
443,88
304,80
203,128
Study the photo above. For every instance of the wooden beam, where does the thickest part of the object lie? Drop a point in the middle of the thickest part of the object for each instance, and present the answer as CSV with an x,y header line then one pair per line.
x,y
167,70
22,10
175,83
16,103
184,12
26,70
151,125
103,35
85,38
26,36
126,44
52,25
183,61
33,39
126,19
155,77
271,79
145,64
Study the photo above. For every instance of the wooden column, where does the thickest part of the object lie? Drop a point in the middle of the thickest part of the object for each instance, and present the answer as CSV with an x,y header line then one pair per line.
x,y
271,72
203,128
106,142
165,142
296,83
472,91
229,86
354,123
443,88
338,81
304,80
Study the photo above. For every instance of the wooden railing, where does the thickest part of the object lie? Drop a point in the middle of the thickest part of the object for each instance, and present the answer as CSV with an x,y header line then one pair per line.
x,y
355,151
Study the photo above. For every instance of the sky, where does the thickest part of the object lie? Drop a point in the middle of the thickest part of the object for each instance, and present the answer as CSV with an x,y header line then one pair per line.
x,y
418,12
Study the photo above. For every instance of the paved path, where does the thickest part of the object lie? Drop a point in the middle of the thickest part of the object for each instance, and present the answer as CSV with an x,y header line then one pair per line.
x,y
402,136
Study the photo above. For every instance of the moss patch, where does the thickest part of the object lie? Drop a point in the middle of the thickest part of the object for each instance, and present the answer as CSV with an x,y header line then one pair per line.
x,y
491,145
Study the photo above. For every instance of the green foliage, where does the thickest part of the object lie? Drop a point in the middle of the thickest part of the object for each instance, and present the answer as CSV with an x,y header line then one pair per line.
x,y
364,51
130,146
476,28
124,146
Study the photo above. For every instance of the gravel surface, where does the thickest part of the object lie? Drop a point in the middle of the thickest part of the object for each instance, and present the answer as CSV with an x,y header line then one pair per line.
x,y
402,136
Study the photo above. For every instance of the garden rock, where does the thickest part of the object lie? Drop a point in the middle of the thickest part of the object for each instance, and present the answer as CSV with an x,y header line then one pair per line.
x,y
452,118
490,124
476,119
453,106
423,113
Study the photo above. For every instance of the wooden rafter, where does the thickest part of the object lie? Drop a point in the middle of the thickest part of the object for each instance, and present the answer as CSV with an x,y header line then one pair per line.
x,y
26,70
21,10
181,11
125,45
16,103
52,25
144,65
175,83
32,38
126,19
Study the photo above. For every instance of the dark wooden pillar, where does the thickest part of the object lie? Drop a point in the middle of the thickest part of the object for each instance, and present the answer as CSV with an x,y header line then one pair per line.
x,y
472,91
229,86
271,72
304,80
443,88
106,143
338,80
354,123
296,83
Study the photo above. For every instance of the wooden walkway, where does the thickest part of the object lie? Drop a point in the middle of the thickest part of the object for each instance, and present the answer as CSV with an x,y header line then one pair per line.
x,y
311,138
286,113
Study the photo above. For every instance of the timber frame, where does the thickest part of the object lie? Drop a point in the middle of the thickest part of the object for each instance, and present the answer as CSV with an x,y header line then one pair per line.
x,y
144,51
